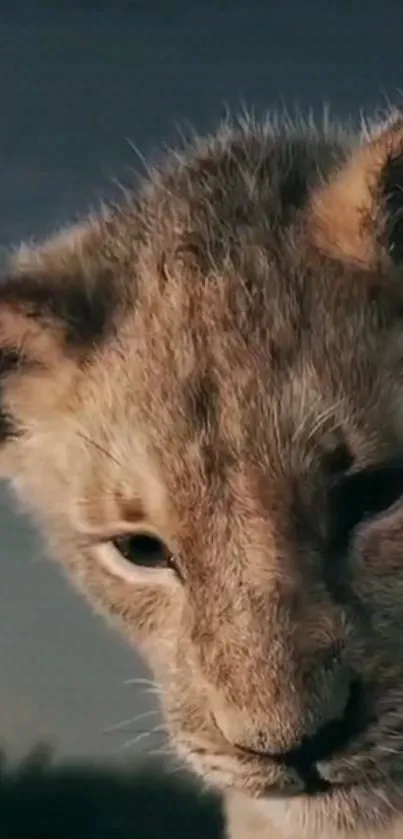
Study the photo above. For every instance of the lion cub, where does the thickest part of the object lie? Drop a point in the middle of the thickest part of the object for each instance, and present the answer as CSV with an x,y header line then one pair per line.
x,y
202,404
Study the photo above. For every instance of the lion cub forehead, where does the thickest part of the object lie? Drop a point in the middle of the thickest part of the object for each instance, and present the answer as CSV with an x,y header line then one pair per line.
x,y
169,326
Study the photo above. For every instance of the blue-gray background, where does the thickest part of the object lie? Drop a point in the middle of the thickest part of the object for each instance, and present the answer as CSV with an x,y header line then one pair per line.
x,y
77,80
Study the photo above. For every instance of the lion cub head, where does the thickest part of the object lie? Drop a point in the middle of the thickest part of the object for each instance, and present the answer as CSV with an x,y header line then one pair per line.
x,y
201,402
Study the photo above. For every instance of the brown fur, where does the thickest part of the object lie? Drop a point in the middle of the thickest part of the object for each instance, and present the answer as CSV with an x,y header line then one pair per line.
x,y
207,363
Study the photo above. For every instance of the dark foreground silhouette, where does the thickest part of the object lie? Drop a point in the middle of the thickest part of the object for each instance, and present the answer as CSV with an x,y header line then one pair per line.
x,y
40,799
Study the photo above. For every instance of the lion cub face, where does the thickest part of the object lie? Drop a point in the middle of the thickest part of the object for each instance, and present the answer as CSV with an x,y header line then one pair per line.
x,y
201,402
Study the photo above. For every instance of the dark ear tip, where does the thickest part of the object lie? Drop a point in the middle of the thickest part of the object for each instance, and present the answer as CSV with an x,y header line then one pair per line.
x,y
84,313
392,202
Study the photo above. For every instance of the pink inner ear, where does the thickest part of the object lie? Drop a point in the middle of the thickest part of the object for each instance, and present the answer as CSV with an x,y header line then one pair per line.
x,y
346,215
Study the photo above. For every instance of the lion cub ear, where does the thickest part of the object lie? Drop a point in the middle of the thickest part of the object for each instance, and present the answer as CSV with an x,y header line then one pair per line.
x,y
57,304
358,215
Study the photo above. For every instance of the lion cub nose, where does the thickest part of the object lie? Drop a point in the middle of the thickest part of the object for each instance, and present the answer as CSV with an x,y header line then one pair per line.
x,y
339,722
329,739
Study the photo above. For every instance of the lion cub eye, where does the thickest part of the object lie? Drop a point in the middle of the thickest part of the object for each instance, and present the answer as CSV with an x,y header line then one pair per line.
x,y
338,461
362,496
143,549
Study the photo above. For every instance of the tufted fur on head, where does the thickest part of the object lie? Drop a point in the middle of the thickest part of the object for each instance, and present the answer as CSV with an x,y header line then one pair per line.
x,y
201,403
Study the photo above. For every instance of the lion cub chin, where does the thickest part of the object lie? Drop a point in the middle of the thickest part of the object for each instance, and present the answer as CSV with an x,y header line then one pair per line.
x,y
248,819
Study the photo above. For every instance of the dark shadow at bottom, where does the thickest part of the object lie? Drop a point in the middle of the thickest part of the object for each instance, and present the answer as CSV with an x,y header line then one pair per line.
x,y
42,799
